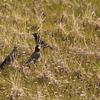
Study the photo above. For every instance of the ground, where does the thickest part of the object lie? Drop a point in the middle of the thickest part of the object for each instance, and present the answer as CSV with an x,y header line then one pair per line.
x,y
71,71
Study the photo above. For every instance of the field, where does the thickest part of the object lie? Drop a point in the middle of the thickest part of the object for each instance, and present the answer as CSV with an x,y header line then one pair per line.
x,y
71,71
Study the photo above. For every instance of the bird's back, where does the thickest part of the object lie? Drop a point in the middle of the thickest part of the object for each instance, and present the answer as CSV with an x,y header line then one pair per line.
x,y
10,58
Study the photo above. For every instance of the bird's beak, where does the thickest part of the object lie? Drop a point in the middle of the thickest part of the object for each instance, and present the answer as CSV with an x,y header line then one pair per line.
x,y
32,33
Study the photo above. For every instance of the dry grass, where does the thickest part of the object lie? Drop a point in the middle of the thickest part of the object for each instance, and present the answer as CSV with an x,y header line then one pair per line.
x,y
68,72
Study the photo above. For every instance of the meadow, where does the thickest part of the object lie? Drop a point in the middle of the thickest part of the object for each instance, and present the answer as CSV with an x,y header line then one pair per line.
x,y
71,71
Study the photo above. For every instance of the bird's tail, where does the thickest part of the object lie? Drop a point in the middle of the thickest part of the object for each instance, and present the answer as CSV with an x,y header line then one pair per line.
x,y
2,65
31,61
27,62
51,48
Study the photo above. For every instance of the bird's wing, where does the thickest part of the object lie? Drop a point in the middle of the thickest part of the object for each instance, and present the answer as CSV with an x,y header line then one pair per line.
x,y
9,58
34,57
45,44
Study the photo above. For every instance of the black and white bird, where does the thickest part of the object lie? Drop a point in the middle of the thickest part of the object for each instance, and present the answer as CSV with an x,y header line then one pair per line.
x,y
35,55
10,58
38,40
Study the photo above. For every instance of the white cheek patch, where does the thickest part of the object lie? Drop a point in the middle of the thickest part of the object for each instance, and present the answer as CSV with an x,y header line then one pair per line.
x,y
36,34
39,47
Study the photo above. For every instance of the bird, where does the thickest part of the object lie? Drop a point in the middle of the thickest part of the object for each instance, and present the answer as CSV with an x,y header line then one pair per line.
x,y
38,40
10,58
35,56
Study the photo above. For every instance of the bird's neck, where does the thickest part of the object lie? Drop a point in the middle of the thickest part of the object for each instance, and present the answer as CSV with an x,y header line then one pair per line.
x,y
37,50
37,37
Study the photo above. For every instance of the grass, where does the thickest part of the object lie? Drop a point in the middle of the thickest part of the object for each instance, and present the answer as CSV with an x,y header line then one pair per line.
x,y
69,72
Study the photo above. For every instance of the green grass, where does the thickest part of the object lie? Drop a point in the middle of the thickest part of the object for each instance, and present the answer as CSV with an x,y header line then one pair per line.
x,y
69,72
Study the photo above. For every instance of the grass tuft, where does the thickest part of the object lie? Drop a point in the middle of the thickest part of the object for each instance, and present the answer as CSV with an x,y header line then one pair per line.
x,y
71,71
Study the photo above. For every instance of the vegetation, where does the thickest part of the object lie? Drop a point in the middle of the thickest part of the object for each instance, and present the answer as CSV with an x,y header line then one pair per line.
x,y
71,71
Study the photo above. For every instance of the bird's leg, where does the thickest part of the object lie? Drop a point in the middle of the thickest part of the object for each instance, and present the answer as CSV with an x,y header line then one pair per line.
x,y
35,65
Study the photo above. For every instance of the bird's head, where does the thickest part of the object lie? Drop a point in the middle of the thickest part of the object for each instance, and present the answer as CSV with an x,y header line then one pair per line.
x,y
15,47
35,34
